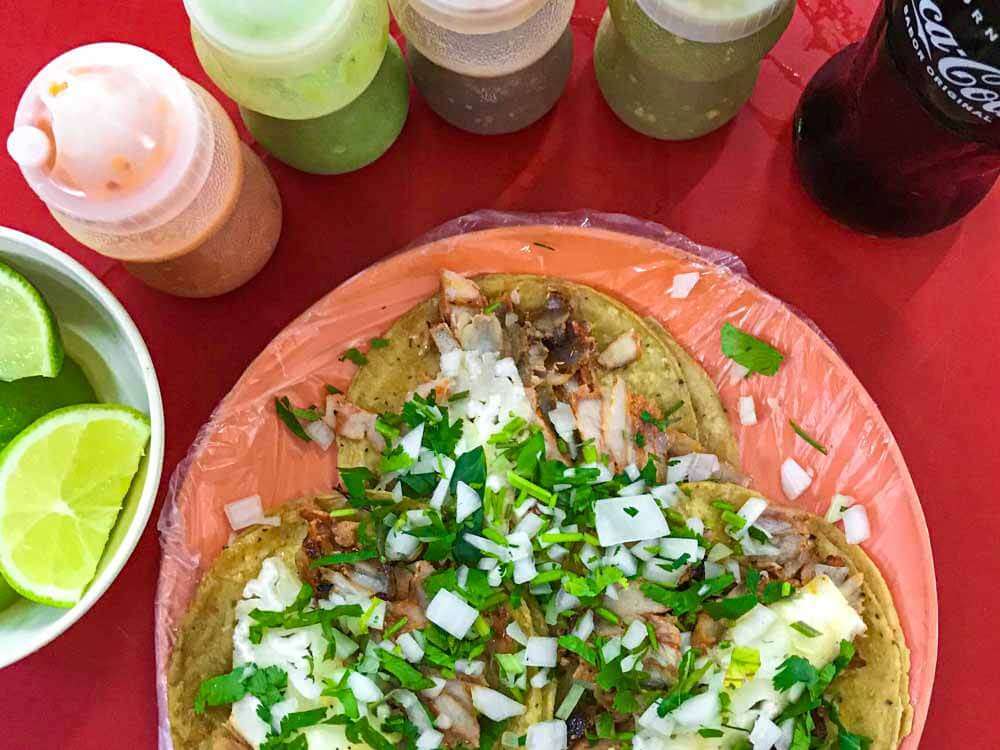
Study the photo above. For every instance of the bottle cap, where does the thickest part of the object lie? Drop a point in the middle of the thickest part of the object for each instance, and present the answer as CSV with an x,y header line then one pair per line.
x,y
713,21
110,133
265,28
477,16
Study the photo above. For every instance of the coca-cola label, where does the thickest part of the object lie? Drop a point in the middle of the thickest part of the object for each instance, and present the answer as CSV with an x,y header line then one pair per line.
x,y
971,84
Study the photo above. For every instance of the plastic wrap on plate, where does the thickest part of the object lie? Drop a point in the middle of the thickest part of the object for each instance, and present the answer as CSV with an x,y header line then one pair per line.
x,y
245,450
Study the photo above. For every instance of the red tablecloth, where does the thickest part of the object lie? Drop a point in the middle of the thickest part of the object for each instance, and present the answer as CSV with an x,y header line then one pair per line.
x,y
917,319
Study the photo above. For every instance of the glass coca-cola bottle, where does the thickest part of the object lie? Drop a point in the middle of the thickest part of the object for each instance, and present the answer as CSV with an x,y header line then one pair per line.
x,y
899,134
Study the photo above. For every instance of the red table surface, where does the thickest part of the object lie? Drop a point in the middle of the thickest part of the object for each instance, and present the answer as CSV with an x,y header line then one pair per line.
x,y
916,319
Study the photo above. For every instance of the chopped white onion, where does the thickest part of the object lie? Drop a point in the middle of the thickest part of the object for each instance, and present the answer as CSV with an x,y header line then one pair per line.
x,y
696,525
518,546
683,284
363,688
765,733
564,423
473,668
540,679
320,433
646,550
787,733
643,520
540,652
247,512
619,557
590,557
750,512
737,373
584,626
653,571
752,625
634,636
495,577
415,711
410,442
429,739
451,613
857,528
412,651
636,488
516,633
524,570
651,720
632,472
522,510
467,501
794,479
495,705
547,735
713,569
697,711
530,524
612,648
487,545
666,494
440,493
693,467
747,410
434,692
564,602
487,563
837,507
557,552
734,567
399,545
674,548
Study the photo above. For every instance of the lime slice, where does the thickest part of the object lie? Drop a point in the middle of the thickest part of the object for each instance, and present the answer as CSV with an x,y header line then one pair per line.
x,y
25,400
62,482
29,338
7,595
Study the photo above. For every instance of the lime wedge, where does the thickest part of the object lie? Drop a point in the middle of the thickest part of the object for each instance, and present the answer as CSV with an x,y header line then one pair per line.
x,y
29,338
62,482
7,595
25,400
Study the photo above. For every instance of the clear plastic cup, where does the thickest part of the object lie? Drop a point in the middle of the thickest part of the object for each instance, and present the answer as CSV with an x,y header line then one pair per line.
x,y
296,59
678,69
488,66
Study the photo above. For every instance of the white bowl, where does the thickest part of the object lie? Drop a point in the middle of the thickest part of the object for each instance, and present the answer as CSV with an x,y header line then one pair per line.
x,y
101,337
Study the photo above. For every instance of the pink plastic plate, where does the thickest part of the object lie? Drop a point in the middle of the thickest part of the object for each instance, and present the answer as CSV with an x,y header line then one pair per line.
x,y
245,450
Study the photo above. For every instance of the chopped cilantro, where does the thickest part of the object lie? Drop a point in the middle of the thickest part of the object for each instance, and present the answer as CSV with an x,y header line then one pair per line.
x,y
580,648
354,480
284,408
354,356
409,677
340,558
750,351
808,438
378,343
681,602
805,629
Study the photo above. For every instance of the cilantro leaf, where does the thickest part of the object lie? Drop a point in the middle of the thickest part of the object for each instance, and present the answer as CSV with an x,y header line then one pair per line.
x,y
354,356
341,558
579,647
395,459
793,670
378,343
354,479
731,609
222,689
409,677
284,409
750,351
682,602
470,468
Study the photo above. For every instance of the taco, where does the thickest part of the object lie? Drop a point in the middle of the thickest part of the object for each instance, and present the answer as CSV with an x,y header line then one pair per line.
x,y
582,356
289,620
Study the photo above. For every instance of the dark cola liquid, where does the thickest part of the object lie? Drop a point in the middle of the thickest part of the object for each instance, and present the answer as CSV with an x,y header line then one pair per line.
x,y
899,134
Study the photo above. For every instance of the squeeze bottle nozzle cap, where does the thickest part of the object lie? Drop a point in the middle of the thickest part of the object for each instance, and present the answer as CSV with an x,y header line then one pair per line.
x,y
109,133
29,146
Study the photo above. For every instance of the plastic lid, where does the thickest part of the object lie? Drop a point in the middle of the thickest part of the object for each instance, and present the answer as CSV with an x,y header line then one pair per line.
x,y
477,16
713,20
267,28
108,133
